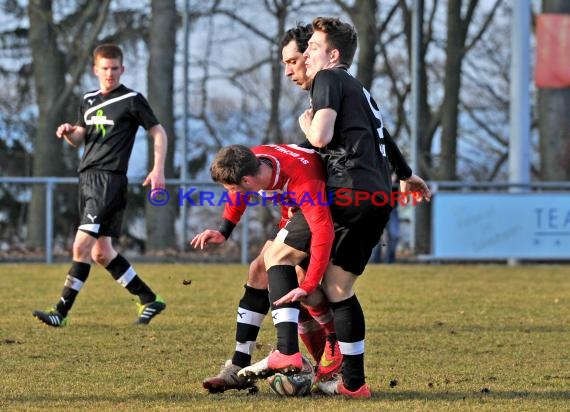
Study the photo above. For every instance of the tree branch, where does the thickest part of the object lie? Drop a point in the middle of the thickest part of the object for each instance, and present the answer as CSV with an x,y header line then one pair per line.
x,y
483,29
103,7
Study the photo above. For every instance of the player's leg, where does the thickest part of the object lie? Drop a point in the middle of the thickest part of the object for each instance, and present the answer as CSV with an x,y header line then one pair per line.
x,y
285,253
350,327
320,309
114,203
74,281
311,332
320,338
85,238
123,272
357,231
252,309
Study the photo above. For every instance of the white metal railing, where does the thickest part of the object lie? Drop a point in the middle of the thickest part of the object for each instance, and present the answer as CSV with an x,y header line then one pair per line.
x,y
51,182
535,186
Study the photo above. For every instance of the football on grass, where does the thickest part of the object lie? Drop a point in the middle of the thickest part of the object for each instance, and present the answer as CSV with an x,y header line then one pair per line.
x,y
298,384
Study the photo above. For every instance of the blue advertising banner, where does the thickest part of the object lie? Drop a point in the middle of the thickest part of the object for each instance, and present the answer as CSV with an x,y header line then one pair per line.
x,y
486,225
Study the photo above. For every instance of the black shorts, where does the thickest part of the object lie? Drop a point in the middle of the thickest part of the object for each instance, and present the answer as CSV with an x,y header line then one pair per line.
x,y
102,203
297,239
296,233
357,230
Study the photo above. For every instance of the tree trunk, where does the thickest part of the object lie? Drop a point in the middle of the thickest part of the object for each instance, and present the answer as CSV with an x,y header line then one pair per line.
x,y
49,81
162,44
554,122
452,83
363,15
274,132
51,66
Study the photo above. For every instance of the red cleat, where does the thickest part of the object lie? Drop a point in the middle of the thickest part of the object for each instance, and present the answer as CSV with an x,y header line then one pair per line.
x,y
331,361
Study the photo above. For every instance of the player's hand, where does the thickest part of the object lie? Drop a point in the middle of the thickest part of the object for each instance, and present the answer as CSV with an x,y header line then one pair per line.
x,y
73,135
64,130
416,187
305,121
293,296
156,179
208,236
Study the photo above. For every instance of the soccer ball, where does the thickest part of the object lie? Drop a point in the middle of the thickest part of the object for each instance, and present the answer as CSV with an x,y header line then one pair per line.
x,y
299,384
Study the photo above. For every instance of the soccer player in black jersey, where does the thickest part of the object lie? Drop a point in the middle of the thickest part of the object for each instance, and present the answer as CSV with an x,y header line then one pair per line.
x,y
344,123
107,123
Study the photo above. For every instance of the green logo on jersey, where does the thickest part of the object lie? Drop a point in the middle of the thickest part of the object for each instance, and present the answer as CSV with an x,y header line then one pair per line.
x,y
100,127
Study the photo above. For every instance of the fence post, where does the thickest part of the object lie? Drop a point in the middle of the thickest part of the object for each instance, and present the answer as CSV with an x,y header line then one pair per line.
x,y
50,184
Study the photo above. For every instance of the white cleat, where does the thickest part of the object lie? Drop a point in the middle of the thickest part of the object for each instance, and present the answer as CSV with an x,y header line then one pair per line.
x,y
272,364
258,370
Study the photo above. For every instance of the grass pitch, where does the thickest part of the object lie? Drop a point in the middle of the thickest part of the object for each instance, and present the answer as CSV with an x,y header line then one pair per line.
x,y
439,338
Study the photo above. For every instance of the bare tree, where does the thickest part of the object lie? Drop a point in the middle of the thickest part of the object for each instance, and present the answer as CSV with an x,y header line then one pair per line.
x,y
364,16
440,69
53,91
484,107
162,45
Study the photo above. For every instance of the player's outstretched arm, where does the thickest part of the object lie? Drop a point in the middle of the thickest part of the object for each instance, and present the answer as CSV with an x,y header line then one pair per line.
x,y
208,236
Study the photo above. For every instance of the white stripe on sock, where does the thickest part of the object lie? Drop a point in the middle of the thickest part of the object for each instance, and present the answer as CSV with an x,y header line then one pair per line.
x,y
285,315
73,283
249,317
127,277
351,348
245,347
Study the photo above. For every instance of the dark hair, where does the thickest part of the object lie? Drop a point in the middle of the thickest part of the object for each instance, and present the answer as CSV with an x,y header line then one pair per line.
x,y
108,51
340,36
232,163
301,33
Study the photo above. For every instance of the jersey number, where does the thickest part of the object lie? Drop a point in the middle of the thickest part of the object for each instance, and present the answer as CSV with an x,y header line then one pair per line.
x,y
378,116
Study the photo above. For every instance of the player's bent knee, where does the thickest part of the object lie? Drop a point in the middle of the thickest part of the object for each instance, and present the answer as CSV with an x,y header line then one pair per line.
x,y
257,266
103,255
81,250
100,258
257,275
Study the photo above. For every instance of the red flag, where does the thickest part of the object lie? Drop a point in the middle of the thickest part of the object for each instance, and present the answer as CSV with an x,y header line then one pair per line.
x,y
552,51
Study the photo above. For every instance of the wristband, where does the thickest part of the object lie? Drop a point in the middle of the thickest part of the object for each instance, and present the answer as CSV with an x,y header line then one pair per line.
x,y
226,228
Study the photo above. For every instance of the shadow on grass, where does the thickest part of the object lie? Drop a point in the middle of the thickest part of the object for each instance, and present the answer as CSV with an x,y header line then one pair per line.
x,y
388,396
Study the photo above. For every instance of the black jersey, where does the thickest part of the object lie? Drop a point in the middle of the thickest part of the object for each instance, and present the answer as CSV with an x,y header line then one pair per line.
x,y
356,155
111,122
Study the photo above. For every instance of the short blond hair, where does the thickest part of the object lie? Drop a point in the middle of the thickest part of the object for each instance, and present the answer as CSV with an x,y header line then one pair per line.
x,y
108,51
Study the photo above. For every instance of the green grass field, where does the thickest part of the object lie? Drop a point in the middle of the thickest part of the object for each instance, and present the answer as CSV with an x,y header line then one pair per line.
x,y
439,338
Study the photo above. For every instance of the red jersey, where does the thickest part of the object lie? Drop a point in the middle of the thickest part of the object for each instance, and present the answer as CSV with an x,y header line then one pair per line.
x,y
298,179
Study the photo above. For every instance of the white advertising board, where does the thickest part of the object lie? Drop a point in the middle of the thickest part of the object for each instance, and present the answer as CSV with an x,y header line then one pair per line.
x,y
501,225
